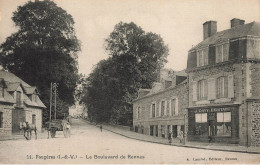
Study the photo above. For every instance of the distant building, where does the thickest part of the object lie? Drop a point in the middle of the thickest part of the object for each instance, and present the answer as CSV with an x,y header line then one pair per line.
x,y
19,102
162,109
76,110
224,85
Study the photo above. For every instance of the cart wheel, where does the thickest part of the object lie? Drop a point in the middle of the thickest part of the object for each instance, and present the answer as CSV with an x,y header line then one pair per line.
x,y
53,133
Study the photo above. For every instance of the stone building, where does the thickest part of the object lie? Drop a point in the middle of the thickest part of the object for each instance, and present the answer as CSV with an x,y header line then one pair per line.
x,y
162,109
19,102
224,85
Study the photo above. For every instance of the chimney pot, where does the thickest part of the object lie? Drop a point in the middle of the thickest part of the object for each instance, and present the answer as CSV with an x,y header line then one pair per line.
x,y
235,22
209,29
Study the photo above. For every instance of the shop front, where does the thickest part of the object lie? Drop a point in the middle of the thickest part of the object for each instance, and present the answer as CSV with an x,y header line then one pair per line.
x,y
214,124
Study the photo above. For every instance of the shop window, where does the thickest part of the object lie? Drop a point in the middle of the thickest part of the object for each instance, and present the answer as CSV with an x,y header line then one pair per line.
x,y
202,57
201,124
156,130
202,90
222,90
1,120
224,124
222,52
163,130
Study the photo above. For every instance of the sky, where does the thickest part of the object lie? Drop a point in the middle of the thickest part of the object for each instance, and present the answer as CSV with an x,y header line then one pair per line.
x,y
178,22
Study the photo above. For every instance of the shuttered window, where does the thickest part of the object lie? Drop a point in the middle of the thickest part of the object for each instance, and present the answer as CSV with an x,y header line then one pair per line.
x,y
162,108
211,89
174,106
222,87
202,57
222,52
1,92
202,90
18,99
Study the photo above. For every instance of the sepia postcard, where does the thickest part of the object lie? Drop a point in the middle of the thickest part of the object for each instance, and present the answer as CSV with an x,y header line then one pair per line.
x,y
129,82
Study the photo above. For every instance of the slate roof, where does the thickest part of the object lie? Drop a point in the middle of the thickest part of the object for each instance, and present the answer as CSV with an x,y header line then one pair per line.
x,y
13,82
250,29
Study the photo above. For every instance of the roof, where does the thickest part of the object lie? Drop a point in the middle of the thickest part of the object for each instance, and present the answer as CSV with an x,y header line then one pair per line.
x,y
12,86
7,98
250,29
30,90
28,102
10,77
181,73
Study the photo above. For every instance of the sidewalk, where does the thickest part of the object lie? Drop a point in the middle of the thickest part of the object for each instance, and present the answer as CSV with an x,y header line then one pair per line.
x,y
198,145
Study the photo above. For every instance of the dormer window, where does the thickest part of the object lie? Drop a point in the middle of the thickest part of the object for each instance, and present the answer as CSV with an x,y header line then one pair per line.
x,y
18,99
222,52
202,57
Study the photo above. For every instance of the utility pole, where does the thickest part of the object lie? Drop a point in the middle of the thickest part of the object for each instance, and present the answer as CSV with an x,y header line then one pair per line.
x,y
55,93
50,101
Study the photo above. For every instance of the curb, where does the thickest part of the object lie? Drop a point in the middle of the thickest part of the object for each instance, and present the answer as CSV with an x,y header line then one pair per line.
x,y
187,146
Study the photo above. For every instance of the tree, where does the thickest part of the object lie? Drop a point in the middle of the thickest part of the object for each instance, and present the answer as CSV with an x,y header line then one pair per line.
x,y
44,50
135,59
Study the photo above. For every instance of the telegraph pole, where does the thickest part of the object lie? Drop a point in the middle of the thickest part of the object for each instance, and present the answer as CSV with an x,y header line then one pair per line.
x,y
50,101
55,93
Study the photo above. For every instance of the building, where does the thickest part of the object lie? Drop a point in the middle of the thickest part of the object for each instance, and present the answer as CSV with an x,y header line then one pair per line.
x,y
19,102
224,84
162,109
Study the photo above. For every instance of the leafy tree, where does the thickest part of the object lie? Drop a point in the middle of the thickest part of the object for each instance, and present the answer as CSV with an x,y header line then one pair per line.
x,y
135,59
44,50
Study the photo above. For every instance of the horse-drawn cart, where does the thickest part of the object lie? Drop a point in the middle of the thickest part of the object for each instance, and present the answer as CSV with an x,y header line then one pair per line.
x,y
58,125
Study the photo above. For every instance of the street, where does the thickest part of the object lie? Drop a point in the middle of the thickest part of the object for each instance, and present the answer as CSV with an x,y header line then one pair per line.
x,y
88,144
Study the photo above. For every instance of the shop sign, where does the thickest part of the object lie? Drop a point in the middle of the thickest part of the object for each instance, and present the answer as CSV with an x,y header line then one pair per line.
x,y
206,110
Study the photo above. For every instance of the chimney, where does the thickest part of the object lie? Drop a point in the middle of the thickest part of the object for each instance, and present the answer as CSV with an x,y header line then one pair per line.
x,y
209,29
235,22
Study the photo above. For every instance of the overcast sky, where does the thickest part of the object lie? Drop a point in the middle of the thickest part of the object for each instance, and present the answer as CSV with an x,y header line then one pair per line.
x,y
179,22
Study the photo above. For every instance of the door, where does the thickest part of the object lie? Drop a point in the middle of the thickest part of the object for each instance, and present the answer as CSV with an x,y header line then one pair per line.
x,y
151,130
174,131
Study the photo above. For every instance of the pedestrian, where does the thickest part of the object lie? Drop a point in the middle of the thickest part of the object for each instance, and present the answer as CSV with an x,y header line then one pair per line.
x,y
180,136
170,137
100,128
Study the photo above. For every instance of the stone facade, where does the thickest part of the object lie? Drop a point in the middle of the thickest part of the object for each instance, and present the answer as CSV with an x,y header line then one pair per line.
x,y
169,111
19,102
6,129
224,80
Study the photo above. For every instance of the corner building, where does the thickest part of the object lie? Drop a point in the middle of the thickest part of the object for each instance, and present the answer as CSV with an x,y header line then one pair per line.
x,y
224,85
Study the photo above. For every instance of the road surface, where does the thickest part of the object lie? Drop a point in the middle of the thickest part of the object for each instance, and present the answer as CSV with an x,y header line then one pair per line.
x,y
88,144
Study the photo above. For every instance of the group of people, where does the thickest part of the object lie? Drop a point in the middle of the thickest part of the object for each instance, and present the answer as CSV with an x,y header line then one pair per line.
x,y
180,136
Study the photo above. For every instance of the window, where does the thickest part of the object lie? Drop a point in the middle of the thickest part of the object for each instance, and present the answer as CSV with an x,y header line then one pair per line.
x,y
222,52
1,120
163,108
202,90
138,113
18,99
1,91
163,130
33,119
202,57
224,124
174,107
201,124
222,90
153,110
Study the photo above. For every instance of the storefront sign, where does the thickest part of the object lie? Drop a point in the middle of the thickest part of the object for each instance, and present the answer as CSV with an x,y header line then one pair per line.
x,y
205,110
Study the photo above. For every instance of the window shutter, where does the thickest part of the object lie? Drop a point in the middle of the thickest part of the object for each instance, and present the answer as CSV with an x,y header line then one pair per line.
x,y
205,89
170,107
151,110
217,55
176,106
160,108
225,52
211,89
230,86
226,87
206,58
194,91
